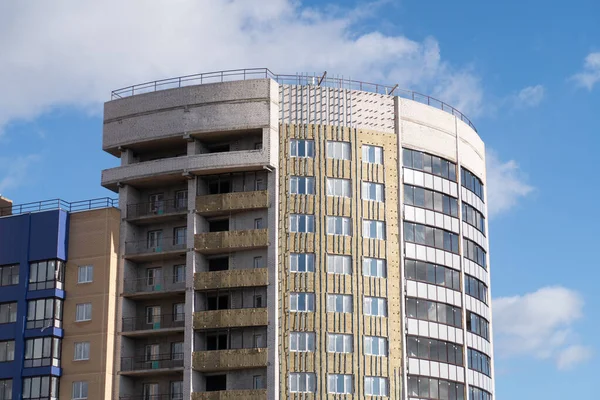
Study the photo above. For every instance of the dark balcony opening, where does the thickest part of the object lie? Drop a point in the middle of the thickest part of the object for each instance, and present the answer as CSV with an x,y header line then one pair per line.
x,y
219,186
218,264
217,341
218,148
221,225
217,302
247,181
216,383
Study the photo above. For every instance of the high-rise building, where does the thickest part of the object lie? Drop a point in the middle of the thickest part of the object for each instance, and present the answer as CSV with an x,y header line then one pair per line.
x,y
299,237
58,287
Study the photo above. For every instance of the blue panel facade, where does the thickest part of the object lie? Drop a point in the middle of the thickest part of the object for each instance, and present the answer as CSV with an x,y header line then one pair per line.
x,y
25,239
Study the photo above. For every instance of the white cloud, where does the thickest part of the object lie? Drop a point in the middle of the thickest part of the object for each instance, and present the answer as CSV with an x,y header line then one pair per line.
x,y
530,96
506,184
72,53
14,171
591,72
540,324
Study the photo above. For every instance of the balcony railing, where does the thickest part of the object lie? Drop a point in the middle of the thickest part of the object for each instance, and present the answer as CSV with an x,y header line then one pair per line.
x,y
158,246
233,278
231,318
153,397
231,240
159,361
157,208
214,203
222,360
154,322
151,285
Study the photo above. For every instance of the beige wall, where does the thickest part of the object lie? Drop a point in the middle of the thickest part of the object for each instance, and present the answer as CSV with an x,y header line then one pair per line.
x,y
93,240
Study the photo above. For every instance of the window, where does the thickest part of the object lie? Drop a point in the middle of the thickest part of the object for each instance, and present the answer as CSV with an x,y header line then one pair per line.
x,y
429,199
179,273
154,277
303,382
83,312
374,267
258,301
302,148
7,351
339,226
435,389
421,271
258,262
372,154
339,384
46,275
339,187
375,306
258,382
176,390
153,314
339,150
479,362
260,184
302,262
85,274
82,351
376,386
376,346
42,352
302,302
302,341
427,310
337,264
258,223
40,388
9,275
471,182
180,236
8,313
6,389
154,239
475,288
478,325
302,223
435,350
473,217
179,312
339,343
372,191
257,341
341,303
157,203
150,391
177,351
44,313
373,229
428,163
218,185
302,185
181,199
478,394
151,352
430,236
474,252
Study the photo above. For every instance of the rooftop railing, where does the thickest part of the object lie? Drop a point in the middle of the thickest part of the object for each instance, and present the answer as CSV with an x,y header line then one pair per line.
x,y
301,80
58,204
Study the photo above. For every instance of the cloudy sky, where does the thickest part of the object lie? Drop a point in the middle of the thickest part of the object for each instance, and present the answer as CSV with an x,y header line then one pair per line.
x,y
527,73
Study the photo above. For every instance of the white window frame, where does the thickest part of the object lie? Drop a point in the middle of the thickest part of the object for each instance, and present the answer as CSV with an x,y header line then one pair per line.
x,y
377,304
81,351
373,191
308,299
341,303
339,264
302,148
339,343
376,386
297,220
339,187
339,384
85,309
376,346
85,274
372,154
373,229
176,275
339,226
302,342
374,267
302,185
339,150
303,382
304,260
78,392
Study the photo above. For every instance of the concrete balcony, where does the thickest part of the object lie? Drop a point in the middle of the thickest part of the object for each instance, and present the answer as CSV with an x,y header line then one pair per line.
x,y
234,278
157,325
218,242
152,212
145,250
223,360
155,365
250,394
215,204
152,288
234,318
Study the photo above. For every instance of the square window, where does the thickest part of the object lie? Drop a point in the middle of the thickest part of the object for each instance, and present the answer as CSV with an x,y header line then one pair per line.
x,y
85,274
80,390
82,351
83,312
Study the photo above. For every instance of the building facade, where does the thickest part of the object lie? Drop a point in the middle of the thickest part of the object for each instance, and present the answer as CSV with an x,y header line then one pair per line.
x,y
58,276
298,237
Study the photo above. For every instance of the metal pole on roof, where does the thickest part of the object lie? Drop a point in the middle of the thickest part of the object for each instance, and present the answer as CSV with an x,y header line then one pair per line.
x,y
323,77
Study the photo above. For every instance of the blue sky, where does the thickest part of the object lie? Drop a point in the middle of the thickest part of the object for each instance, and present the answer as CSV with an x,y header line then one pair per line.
x,y
527,73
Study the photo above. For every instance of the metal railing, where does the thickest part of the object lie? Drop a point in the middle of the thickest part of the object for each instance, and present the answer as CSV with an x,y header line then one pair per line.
x,y
158,246
153,397
159,361
58,204
137,285
156,208
153,322
301,80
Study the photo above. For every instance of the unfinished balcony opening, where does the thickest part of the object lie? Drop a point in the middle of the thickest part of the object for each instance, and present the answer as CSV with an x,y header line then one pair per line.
x,y
231,299
226,142
231,339
233,192
218,225
216,383
218,263
148,205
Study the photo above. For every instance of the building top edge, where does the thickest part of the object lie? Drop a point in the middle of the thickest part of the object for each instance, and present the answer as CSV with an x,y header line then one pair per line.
x,y
58,204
